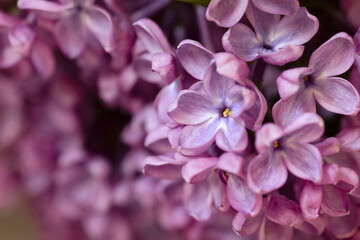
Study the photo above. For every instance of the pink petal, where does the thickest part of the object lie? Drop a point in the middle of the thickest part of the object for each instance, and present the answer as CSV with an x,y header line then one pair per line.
x,y
162,167
284,55
71,35
198,200
304,161
284,212
9,56
241,41
165,65
350,139
334,57
330,174
250,226
152,36
198,170
42,5
310,200
329,146
335,201
194,57
348,179
306,128
270,231
266,173
285,112
192,108
337,95
100,24
232,135
266,136
43,59
232,67
198,138
218,189
226,13
288,82
344,227
240,196
231,162
296,29
282,7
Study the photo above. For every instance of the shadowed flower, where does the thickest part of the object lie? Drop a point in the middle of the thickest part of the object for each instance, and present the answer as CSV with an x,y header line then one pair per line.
x,y
277,41
299,87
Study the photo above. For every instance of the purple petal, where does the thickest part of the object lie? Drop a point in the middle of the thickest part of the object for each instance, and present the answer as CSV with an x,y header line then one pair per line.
x,y
226,13
284,212
285,112
296,29
288,82
350,139
310,200
232,135
329,146
100,24
198,200
266,173
304,161
334,57
165,65
216,85
270,231
330,174
218,189
241,41
264,24
284,55
194,57
240,196
348,179
198,170
162,167
43,59
152,36
41,5
282,7
192,108
306,128
232,67
254,116
344,227
198,138
266,136
71,35
337,95
9,56
250,226
335,201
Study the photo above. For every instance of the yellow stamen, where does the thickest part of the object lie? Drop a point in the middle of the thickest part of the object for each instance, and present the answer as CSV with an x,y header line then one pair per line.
x,y
276,144
226,112
306,78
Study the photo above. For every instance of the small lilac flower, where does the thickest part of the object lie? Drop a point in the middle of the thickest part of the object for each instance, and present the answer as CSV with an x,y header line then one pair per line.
x,y
212,113
299,87
282,148
277,41
76,19
227,13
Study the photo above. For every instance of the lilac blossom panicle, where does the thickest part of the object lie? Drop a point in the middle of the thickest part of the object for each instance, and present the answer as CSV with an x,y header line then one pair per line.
x,y
142,119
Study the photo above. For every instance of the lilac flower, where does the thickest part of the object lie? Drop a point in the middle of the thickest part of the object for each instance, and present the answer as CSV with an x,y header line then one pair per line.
x,y
277,41
286,147
76,19
228,13
299,87
212,113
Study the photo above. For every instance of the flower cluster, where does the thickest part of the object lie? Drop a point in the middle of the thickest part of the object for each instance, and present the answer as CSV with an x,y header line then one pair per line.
x,y
143,119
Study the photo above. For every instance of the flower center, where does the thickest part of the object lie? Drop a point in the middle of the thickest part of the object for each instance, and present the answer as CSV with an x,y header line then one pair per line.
x,y
226,113
276,144
308,80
